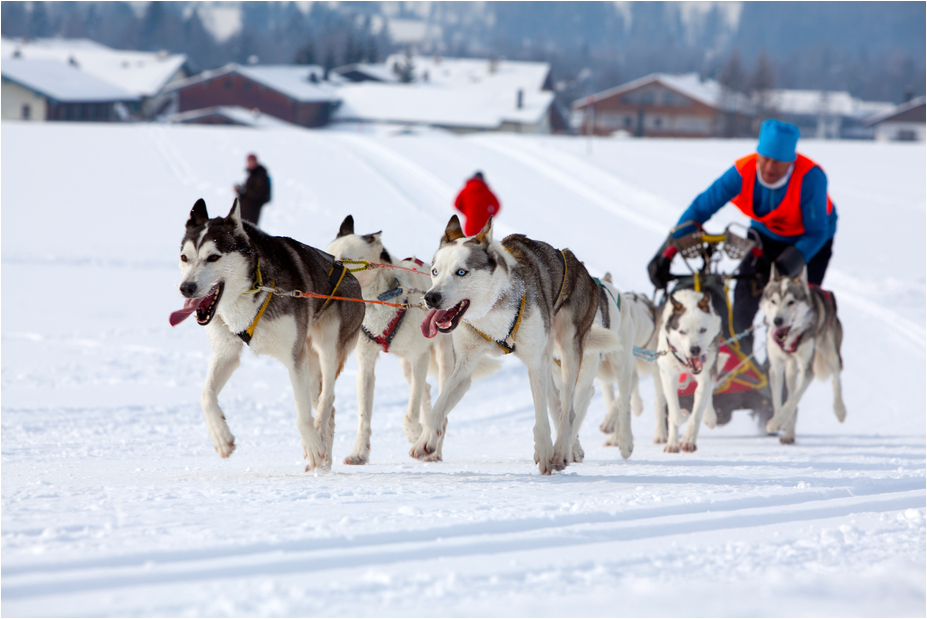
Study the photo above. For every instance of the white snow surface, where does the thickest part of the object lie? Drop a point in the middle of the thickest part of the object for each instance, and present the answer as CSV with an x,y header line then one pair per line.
x,y
115,504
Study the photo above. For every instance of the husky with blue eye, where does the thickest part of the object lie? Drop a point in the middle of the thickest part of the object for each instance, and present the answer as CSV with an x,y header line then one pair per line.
x,y
226,265
516,296
803,339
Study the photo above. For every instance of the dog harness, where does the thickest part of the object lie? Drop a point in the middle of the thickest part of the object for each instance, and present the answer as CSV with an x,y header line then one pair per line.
x,y
258,284
392,328
603,302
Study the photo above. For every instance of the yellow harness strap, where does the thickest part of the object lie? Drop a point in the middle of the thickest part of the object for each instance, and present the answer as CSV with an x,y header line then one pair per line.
x,y
563,283
344,270
504,345
249,332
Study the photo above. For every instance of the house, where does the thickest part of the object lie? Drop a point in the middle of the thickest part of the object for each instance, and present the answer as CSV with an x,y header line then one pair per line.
x,y
38,90
143,74
457,94
292,93
821,114
903,123
666,105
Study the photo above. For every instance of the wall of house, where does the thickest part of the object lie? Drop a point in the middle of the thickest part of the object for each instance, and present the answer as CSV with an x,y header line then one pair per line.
x,y
18,103
900,132
651,111
236,90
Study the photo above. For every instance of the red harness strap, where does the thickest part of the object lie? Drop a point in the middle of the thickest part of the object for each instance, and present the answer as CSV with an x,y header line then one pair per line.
x,y
390,332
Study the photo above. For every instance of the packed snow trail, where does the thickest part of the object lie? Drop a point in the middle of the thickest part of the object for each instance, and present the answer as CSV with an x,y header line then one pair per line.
x,y
115,504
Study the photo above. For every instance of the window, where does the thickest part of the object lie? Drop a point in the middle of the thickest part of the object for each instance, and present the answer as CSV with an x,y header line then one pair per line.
x,y
27,111
658,122
628,121
906,135
228,83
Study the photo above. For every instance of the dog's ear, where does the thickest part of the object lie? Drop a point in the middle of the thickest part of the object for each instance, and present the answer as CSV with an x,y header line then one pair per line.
x,y
705,303
234,216
774,273
678,308
484,236
453,231
607,277
347,227
373,239
198,214
802,277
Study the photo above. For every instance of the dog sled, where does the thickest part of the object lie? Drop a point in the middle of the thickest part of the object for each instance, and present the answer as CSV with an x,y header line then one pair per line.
x,y
742,383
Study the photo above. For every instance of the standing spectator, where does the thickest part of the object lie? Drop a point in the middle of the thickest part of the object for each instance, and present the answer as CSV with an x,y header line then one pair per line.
x,y
256,191
477,203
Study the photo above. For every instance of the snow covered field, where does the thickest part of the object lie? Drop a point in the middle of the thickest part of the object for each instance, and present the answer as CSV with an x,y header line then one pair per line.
x,y
114,503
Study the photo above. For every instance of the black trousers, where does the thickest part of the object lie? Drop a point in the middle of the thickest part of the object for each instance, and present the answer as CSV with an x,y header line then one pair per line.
x,y
748,291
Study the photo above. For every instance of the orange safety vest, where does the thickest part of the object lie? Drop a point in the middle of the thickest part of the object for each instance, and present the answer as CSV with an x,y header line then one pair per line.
x,y
785,219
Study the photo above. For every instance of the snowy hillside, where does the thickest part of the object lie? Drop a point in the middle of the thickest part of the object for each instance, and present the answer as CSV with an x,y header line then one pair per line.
x,y
114,502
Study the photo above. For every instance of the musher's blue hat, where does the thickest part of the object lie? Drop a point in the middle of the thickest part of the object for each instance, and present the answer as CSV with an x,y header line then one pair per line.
x,y
777,140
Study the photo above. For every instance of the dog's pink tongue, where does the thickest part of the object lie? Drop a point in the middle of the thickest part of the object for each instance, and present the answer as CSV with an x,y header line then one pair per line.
x,y
430,324
189,306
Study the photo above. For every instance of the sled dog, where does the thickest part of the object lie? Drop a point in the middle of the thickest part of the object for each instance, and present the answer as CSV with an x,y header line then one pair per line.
x,y
391,330
224,262
688,342
803,339
642,317
516,296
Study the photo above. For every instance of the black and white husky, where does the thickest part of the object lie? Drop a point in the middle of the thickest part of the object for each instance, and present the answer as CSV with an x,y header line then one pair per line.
x,y
225,261
803,341
688,342
515,296
391,330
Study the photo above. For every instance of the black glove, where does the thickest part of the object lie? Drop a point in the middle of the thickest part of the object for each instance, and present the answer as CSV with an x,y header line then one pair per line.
x,y
659,267
790,262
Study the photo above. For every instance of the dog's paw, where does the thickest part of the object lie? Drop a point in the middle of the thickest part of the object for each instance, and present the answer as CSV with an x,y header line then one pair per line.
x,y
710,418
659,436
671,449
787,440
688,447
357,459
426,446
314,453
577,451
223,441
840,411
607,426
627,446
773,426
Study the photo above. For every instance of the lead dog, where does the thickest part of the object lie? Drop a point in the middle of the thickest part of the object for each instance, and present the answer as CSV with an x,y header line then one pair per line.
x,y
688,342
224,262
391,330
515,296
803,340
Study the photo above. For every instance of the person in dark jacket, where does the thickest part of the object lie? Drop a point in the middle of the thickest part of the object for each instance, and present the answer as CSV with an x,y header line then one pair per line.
x,y
785,195
477,203
255,193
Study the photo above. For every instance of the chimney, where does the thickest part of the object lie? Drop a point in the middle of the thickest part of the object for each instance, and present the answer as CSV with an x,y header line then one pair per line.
x,y
519,99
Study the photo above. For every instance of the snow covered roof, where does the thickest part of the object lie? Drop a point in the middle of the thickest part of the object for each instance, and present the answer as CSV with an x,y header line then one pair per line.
x,y
708,91
472,107
457,92
236,114
61,81
142,73
290,80
894,111
363,71
817,102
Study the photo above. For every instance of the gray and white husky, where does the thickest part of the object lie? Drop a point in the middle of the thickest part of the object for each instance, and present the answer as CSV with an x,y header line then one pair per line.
x,y
391,330
615,366
642,314
688,342
515,296
224,262
803,340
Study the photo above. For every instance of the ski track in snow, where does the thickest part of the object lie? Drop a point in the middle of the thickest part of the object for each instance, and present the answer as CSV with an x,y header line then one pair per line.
x,y
114,503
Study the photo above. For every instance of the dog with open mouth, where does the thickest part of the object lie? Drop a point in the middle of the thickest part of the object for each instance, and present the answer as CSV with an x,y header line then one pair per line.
x,y
228,265
688,343
803,341
517,296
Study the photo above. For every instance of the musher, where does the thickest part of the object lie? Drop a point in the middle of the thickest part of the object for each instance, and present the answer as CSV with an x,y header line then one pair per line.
x,y
785,196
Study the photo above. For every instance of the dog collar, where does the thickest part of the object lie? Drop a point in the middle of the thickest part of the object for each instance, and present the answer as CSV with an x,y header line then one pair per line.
x,y
504,344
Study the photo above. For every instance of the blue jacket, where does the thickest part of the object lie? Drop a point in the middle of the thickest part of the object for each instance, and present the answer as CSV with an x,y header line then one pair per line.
x,y
819,226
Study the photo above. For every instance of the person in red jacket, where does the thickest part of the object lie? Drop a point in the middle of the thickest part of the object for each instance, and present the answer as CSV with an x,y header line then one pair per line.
x,y
477,203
